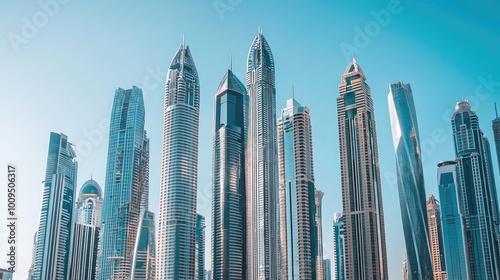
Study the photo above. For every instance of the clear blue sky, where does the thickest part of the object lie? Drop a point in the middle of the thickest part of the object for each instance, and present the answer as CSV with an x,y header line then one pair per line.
x,y
60,75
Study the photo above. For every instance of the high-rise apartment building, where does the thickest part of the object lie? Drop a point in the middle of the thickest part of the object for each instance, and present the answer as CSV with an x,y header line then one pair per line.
x,y
338,246
228,180
297,194
179,171
199,270
410,177
261,164
436,238
55,224
318,217
455,253
126,181
477,194
86,230
364,244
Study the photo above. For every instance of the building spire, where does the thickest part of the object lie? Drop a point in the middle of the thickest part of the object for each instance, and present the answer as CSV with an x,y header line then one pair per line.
x,y
183,40
293,92
231,62
260,29
496,111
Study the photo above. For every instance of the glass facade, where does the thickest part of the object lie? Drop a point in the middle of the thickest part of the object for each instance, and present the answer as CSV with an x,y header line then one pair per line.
x,y
452,222
228,180
126,181
86,230
179,170
410,180
199,273
496,135
364,244
477,194
261,164
55,224
144,259
338,245
299,228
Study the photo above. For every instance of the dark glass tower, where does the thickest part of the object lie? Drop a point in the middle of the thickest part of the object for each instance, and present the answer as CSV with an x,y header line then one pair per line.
x,y
55,224
364,247
338,246
228,180
410,178
477,194
126,181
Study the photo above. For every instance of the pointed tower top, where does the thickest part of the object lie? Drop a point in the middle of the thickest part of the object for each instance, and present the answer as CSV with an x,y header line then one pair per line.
x,y
183,40
496,111
293,93
231,62
354,59
260,29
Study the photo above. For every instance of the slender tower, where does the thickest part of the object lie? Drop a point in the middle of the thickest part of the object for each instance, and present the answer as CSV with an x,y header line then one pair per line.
x,y
436,238
124,186
261,164
297,194
318,198
338,246
496,134
86,229
477,193
177,221
199,270
410,177
228,180
365,249
55,224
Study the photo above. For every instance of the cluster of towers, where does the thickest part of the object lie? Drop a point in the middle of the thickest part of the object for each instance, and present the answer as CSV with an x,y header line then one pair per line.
x,y
266,209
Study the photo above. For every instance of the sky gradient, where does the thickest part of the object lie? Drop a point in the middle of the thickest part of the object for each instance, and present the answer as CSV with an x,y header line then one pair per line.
x,y
59,69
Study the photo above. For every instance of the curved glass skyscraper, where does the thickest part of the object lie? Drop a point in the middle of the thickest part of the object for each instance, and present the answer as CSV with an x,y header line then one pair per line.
x,y
364,244
410,180
261,164
177,217
228,180
126,181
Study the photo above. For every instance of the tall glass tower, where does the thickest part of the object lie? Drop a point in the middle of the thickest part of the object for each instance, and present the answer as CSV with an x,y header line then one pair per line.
x,y
477,193
496,134
126,181
410,178
455,253
179,170
297,194
436,238
261,164
338,246
365,248
228,180
199,270
86,230
55,224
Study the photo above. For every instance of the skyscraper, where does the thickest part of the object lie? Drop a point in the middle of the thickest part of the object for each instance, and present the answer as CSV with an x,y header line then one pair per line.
x,y
327,269
338,246
55,224
410,178
199,266
228,180
318,217
179,170
86,226
436,238
144,259
365,248
261,164
145,252
455,253
496,134
124,185
477,193
297,193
